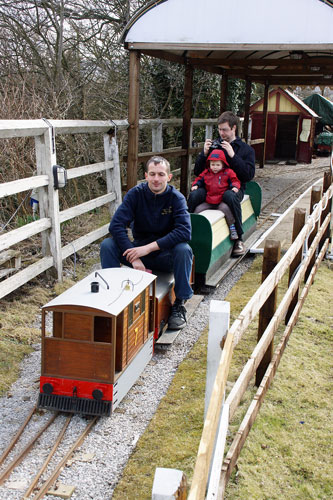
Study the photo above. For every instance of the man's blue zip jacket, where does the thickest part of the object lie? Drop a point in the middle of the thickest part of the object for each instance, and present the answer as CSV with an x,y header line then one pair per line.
x,y
163,218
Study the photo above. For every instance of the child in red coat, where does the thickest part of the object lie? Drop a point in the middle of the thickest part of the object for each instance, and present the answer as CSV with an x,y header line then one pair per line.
x,y
217,178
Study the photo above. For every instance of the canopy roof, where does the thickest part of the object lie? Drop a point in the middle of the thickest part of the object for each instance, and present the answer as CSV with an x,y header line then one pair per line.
x,y
322,106
285,42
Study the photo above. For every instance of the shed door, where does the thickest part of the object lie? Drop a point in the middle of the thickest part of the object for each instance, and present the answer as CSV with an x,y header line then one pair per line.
x,y
285,147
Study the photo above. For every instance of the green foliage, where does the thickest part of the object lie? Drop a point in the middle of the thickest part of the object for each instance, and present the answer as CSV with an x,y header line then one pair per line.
x,y
22,221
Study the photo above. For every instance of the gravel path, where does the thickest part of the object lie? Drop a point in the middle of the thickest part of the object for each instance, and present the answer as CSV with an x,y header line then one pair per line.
x,y
99,463
113,439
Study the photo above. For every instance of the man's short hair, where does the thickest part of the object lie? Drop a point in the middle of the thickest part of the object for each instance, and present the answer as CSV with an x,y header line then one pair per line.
x,y
156,160
230,117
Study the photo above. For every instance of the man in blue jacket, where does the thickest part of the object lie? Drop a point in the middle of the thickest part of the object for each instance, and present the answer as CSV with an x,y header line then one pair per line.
x,y
161,227
241,159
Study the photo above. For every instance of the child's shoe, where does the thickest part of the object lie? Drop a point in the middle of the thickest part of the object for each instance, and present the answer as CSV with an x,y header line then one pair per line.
x,y
233,232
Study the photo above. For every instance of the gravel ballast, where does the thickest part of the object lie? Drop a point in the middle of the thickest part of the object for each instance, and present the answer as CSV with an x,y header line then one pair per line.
x,y
99,462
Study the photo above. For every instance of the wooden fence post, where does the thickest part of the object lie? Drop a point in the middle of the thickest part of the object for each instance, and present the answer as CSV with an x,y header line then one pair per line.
x,y
113,177
315,198
299,221
49,199
133,118
272,254
209,131
264,125
224,91
185,175
327,181
157,138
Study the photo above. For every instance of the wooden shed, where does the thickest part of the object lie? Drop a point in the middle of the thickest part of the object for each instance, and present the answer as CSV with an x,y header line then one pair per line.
x,y
290,127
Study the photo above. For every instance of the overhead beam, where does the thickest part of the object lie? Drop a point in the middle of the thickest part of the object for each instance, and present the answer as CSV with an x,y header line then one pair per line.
x,y
247,110
167,56
247,63
296,80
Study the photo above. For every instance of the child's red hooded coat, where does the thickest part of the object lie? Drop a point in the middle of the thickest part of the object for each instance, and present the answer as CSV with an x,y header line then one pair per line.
x,y
217,184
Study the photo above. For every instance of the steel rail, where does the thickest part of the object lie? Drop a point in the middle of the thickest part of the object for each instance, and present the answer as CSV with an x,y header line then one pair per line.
x,y
49,457
307,183
16,437
46,486
18,459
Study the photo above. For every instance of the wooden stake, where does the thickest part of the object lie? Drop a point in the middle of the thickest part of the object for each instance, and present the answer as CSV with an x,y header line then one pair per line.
x,y
133,118
264,125
272,255
224,92
186,137
327,181
299,221
315,199
247,110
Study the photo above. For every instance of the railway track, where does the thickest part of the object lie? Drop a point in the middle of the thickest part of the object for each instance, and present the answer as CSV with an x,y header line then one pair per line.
x,y
46,483
284,198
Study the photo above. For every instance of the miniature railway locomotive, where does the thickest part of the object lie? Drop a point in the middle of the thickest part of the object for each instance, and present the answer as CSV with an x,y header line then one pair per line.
x,y
210,241
97,337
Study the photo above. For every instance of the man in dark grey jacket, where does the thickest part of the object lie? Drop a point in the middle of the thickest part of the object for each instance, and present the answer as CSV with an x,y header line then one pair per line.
x,y
241,159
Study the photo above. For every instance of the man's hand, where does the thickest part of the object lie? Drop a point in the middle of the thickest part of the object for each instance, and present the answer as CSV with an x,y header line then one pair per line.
x,y
138,264
207,145
234,189
133,254
227,146
193,188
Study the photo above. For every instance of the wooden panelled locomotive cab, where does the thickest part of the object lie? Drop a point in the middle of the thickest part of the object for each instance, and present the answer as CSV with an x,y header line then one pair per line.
x,y
97,337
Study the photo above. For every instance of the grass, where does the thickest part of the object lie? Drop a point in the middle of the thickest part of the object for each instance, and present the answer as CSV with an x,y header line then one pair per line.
x,y
286,455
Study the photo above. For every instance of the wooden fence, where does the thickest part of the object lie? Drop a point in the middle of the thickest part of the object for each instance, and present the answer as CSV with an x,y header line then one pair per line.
x,y
44,133
48,226
313,235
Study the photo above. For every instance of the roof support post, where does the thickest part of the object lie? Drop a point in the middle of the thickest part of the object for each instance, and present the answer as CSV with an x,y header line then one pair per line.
x,y
247,110
224,92
133,119
264,124
187,131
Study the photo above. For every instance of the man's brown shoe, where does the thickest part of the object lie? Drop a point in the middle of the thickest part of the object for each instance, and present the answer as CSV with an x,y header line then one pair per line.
x,y
238,249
